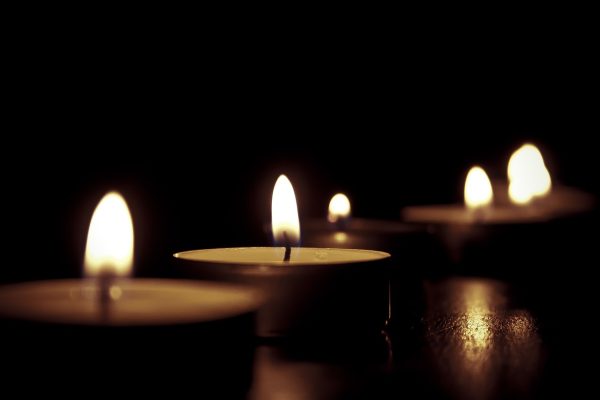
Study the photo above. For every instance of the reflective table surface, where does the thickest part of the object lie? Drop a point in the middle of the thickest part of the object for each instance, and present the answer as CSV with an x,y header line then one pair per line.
x,y
453,337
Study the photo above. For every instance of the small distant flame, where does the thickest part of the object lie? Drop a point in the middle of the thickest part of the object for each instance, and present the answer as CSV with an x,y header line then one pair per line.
x,y
284,219
109,246
527,175
339,208
478,189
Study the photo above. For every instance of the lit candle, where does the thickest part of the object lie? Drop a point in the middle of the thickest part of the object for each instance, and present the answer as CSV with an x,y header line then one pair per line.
x,y
310,289
107,298
342,230
109,325
530,187
529,197
525,217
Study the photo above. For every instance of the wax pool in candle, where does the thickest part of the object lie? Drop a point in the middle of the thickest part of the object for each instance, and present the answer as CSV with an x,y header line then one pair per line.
x,y
318,290
273,256
139,302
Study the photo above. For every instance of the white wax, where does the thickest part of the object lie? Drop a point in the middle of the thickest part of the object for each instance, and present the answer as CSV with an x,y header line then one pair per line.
x,y
273,256
142,302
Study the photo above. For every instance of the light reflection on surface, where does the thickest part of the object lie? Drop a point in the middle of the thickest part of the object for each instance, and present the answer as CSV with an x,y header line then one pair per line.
x,y
340,237
479,345
475,325
276,377
476,336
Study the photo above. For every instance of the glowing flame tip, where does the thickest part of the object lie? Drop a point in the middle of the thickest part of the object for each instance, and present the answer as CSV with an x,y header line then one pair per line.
x,y
284,212
109,247
527,174
478,189
339,207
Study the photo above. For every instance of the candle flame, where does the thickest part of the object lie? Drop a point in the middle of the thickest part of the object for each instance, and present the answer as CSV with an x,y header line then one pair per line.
x,y
284,213
109,246
527,175
478,189
339,208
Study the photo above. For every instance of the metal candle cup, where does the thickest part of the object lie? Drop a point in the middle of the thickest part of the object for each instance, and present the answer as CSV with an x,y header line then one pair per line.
x,y
319,291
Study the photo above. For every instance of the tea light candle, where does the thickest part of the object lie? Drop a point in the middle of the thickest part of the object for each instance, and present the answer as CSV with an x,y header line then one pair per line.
x,y
528,198
525,217
106,299
343,230
135,302
106,326
310,290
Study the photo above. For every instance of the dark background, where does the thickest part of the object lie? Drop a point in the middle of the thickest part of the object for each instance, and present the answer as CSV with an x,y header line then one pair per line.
x,y
193,116
193,125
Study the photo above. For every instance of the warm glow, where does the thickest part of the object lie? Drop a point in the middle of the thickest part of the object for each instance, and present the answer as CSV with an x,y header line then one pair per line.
x,y
478,189
339,207
340,237
285,212
527,175
109,246
476,328
520,192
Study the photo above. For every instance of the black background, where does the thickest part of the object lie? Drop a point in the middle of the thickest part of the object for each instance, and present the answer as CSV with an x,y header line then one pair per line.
x,y
193,124
192,119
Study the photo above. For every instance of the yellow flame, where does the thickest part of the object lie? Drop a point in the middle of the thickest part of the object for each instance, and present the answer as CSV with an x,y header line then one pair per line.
x,y
109,246
284,212
527,175
478,189
339,207
520,192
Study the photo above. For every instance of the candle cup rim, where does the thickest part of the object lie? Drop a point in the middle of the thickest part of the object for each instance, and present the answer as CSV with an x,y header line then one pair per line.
x,y
574,202
278,264
19,292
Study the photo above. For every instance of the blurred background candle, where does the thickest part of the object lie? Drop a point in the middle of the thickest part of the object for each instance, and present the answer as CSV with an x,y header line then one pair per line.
x,y
411,248
146,321
105,298
529,196
325,117
530,187
528,216
318,291
341,229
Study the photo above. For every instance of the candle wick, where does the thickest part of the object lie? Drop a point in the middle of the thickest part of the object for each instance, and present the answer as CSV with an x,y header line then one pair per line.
x,y
105,281
340,224
288,247
479,214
